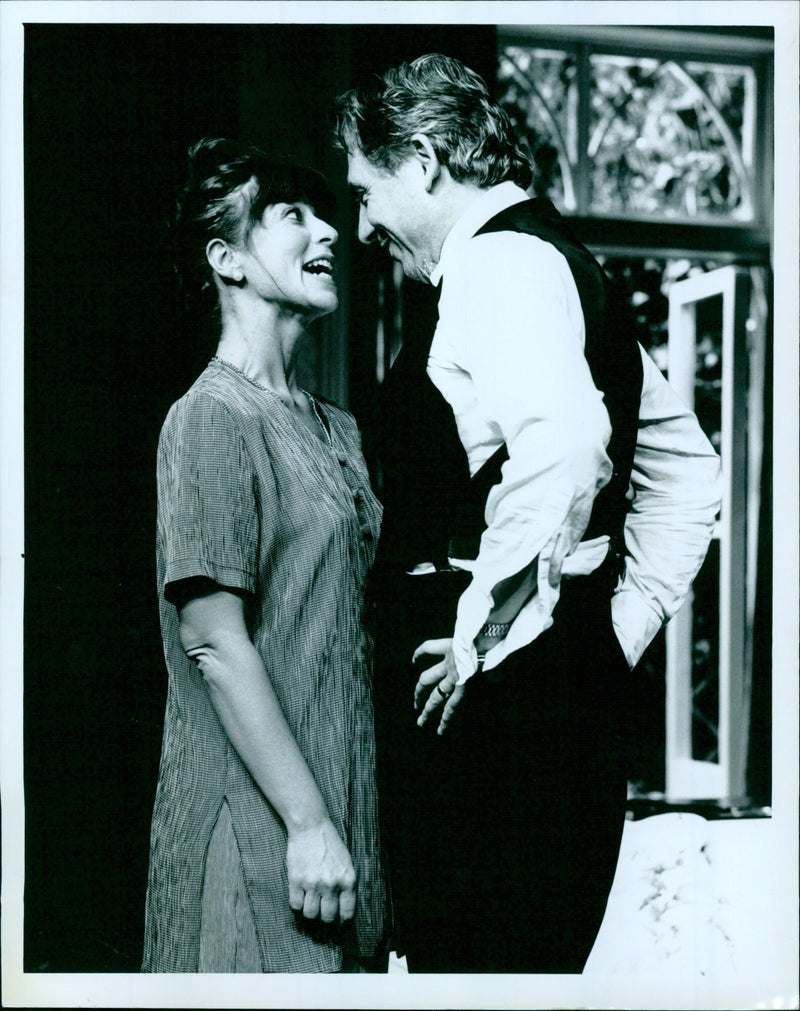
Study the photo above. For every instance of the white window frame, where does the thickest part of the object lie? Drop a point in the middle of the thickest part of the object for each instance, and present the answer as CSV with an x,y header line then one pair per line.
x,y
686,777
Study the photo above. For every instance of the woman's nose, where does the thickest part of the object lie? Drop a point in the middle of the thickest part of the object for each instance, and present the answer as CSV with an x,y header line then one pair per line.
x,y
366,230
326,232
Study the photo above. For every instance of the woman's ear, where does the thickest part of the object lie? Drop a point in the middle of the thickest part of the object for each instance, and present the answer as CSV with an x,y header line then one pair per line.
x,y
224,262
427,158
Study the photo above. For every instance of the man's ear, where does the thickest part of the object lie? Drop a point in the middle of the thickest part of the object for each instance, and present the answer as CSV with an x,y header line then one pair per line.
x,y
224,261
427,158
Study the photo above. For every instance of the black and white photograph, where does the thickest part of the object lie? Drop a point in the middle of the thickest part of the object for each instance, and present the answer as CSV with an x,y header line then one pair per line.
x,y
399,504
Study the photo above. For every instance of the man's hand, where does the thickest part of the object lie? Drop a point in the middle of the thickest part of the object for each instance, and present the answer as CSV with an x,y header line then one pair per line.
x,y
322,879
443,675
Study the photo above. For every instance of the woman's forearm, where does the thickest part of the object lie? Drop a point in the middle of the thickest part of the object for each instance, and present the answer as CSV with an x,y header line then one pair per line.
x,y
248,709
214,635
320,872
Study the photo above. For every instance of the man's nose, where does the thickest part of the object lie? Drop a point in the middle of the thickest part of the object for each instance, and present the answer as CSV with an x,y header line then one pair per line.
x,y
366,230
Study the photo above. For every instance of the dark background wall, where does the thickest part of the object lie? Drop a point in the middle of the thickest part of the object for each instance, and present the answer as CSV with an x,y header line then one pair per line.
x,y
109,113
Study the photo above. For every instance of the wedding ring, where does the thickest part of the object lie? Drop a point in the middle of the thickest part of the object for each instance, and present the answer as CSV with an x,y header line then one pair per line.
x,y
445,695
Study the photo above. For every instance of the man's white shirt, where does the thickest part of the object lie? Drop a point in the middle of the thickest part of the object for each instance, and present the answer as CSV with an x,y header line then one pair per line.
x,y
508,356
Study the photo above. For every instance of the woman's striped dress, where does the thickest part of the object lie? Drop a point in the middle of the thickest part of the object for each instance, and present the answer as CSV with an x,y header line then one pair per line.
x,y
251,499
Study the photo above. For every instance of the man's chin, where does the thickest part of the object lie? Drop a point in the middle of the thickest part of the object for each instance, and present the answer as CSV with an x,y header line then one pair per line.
x,y
413,272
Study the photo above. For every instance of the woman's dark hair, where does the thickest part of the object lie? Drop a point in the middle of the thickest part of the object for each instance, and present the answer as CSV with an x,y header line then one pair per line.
x,y
229,185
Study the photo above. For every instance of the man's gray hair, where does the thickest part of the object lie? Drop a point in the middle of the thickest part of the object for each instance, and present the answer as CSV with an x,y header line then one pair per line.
x,y
442,98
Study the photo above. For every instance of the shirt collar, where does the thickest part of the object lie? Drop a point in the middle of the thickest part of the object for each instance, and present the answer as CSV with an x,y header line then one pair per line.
x,y
489,203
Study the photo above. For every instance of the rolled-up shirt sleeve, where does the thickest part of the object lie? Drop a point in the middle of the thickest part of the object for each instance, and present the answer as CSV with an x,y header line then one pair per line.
x,y
511,326
677,489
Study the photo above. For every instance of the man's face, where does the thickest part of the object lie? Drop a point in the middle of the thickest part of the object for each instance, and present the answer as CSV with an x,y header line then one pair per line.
x,y
396,211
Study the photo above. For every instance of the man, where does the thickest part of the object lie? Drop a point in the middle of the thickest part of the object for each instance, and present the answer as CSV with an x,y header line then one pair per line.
x,y
513,557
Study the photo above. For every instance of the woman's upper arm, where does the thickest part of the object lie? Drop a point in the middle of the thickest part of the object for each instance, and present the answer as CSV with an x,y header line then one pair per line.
x,y
211,617
208,502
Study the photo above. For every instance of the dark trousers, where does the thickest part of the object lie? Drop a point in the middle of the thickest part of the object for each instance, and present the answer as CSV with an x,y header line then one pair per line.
x,y
502,835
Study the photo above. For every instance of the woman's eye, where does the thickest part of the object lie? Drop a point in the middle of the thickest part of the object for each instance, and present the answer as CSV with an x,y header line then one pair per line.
x,y
294,212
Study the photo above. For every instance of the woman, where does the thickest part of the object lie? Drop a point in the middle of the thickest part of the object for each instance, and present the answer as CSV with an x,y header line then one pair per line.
x,y
264,853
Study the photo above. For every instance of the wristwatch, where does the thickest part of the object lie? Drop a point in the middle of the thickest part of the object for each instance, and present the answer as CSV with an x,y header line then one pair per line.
x,y
495,628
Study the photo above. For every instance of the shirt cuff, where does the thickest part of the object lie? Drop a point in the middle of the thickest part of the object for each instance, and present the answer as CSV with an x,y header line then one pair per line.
x,y
473,607
635,623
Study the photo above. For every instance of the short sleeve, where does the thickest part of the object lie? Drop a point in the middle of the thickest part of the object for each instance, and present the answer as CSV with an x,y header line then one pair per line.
x,y
208,515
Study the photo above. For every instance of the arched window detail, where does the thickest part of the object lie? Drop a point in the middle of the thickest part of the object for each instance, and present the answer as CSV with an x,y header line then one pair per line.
x,y
671,139
539,91
630,136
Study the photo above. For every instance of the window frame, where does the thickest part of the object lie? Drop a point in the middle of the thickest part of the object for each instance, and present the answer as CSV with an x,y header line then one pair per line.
x,y
631,235
688,777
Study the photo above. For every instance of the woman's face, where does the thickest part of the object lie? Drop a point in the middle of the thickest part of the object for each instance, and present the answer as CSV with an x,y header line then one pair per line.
x,y
288,259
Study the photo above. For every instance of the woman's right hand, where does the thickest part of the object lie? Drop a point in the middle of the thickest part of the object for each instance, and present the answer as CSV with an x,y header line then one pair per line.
x,y
322,879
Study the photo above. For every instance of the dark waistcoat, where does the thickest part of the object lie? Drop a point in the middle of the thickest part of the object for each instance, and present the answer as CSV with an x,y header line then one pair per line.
x,y
432,508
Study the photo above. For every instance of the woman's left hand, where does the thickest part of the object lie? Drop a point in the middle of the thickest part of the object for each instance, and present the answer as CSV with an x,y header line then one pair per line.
x,y
443,676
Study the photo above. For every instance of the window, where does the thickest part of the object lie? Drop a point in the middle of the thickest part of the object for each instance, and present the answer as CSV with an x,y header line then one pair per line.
x,y
715,354
615,131
658,143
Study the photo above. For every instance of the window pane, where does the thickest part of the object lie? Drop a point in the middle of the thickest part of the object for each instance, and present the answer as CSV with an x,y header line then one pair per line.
x,y
644,283
706,586
708,369
671,139
537,87
705,659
